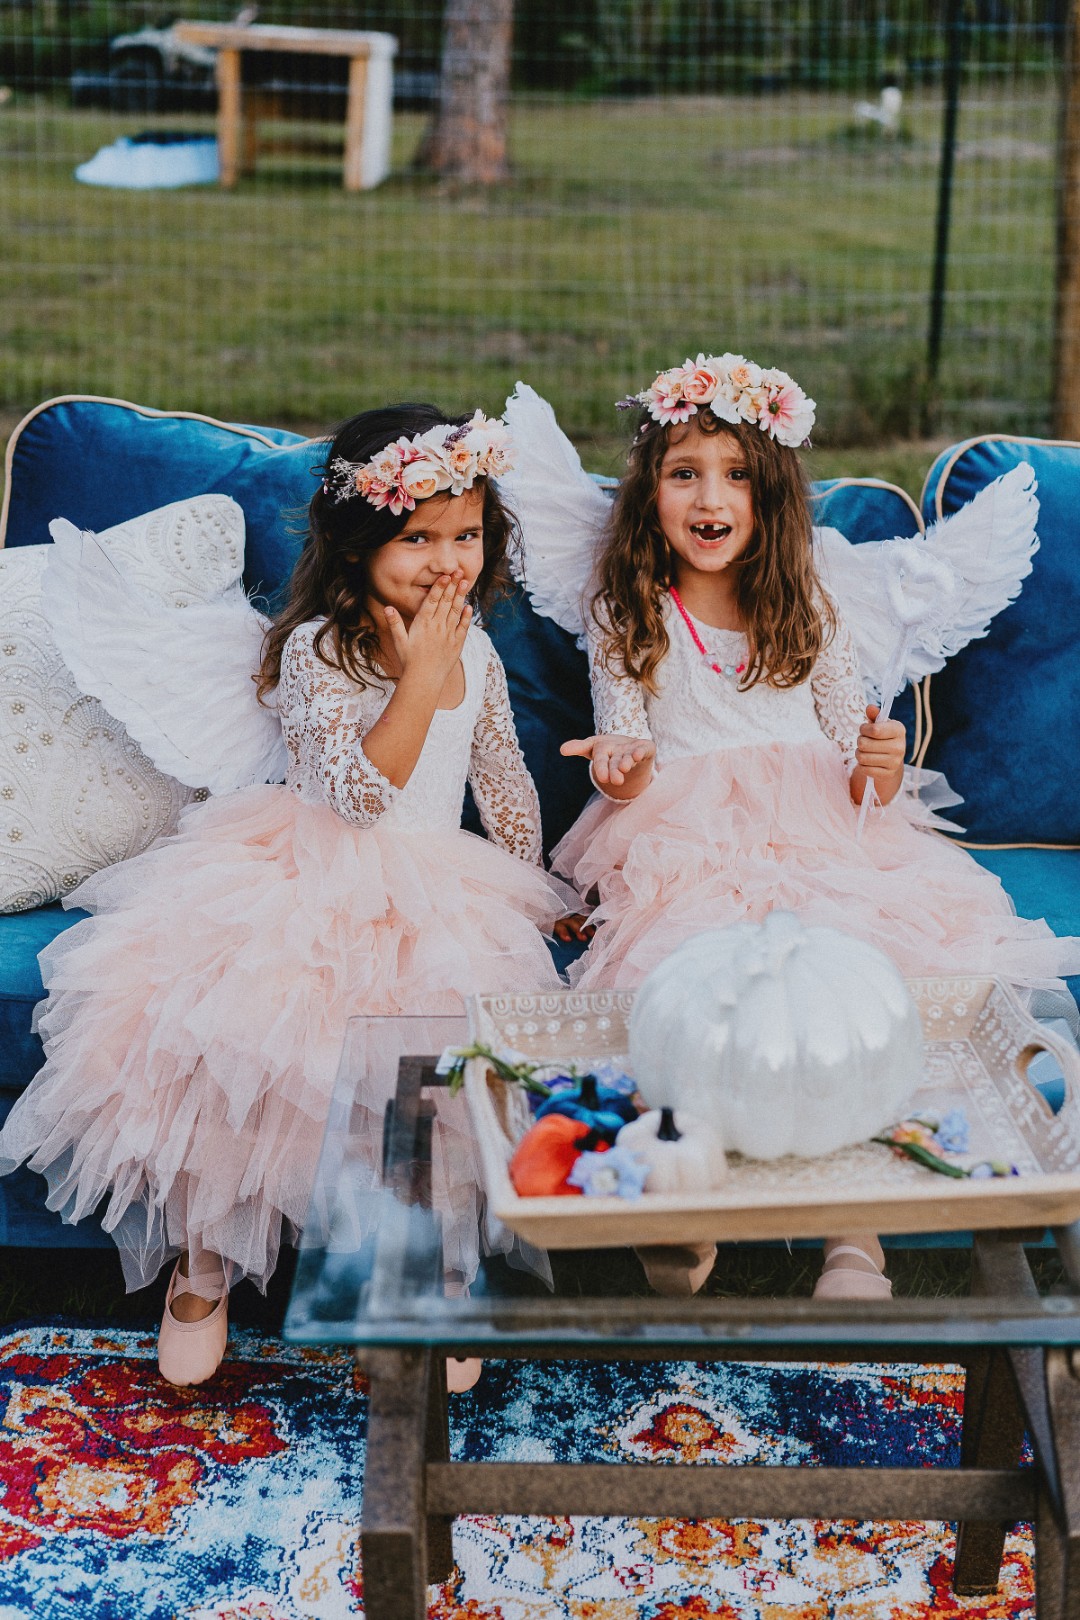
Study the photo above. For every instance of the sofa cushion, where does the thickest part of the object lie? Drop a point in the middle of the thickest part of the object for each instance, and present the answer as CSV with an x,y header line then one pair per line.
x,y
100,462
76,793
22,935
1003,706
1041,883
865,509
24,1220
548,677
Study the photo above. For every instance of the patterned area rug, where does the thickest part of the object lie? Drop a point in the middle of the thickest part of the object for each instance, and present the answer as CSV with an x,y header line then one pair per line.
x,y
123,1499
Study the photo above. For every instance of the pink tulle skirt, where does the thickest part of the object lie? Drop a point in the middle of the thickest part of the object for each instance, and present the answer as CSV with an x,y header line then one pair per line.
x,y
193,1027
727,837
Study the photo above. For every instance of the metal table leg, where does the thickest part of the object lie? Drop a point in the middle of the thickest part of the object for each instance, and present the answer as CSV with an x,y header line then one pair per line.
x,y
437,1450
394,1523
993,1425
992,1437
1057,1532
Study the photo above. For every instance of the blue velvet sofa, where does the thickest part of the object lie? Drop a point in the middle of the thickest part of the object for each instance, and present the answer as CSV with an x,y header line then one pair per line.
x,y
1000,720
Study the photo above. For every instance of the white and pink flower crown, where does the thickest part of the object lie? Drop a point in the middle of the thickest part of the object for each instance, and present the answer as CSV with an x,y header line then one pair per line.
x,y
735,390
445,458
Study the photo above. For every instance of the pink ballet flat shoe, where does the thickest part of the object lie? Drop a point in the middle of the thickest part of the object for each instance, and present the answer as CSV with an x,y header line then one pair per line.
x,y
851,1282
191,1352
462,1373
678,1268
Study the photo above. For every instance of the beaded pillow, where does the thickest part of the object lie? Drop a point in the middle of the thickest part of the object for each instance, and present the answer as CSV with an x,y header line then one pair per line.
x,y
76,792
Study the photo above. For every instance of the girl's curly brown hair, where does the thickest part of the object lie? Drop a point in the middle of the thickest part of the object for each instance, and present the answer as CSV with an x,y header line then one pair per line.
x,y
331,577
788,617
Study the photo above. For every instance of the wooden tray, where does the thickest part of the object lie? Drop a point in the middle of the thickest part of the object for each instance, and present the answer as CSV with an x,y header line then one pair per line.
x,y
979,1041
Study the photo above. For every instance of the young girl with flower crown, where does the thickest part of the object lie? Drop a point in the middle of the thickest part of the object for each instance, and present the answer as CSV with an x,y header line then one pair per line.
x,y
733,742
193,1025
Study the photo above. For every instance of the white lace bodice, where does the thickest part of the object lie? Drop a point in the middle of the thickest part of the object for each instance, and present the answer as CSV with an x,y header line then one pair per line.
x,y
697,711
325,717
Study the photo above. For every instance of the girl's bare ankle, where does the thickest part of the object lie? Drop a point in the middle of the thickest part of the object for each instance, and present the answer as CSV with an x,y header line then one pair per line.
x,y
190,1307
866,1242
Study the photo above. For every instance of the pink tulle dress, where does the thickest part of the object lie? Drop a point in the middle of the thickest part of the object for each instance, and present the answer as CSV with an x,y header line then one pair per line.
x,y
193,1025
750,810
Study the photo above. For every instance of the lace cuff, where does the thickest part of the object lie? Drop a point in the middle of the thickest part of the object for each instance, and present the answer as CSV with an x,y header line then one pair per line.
x,y
330,726
839,695
354,786
618,701
498,775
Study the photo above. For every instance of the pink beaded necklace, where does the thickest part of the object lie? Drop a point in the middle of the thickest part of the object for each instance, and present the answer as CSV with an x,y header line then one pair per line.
x,y
732,671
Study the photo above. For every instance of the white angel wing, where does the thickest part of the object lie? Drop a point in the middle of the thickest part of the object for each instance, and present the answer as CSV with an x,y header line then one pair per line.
x,y
989,544
937,591
178,678
561,510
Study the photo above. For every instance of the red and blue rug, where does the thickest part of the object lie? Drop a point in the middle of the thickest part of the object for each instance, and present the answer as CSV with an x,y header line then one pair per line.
x,y
124,1499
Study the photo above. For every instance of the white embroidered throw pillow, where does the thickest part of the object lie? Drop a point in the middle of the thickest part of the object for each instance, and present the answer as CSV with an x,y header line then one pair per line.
x,y
76,793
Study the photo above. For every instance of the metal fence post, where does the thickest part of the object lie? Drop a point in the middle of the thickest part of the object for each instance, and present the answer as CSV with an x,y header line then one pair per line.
x,y
954,26
1067,304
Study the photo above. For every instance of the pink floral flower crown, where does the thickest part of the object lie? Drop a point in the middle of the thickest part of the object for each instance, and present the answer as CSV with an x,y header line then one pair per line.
x,y
735,390
410,470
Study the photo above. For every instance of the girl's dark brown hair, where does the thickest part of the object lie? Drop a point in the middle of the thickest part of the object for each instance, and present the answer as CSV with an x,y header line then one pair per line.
x,y
787,615
331,577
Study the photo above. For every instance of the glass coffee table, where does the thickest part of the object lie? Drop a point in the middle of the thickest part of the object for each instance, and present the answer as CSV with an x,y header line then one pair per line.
x,y
370,1275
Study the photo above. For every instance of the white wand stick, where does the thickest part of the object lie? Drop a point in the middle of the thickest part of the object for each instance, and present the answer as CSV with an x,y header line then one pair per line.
x,y
891,687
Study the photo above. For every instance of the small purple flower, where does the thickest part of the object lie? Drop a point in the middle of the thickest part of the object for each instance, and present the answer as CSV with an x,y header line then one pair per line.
x,y
615,1174
953,1134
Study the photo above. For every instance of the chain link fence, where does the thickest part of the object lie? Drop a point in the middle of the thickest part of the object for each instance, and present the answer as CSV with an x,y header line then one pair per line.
x,y
761,175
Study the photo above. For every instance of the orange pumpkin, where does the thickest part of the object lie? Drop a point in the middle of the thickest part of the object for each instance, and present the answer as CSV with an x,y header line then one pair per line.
x,y
546,1155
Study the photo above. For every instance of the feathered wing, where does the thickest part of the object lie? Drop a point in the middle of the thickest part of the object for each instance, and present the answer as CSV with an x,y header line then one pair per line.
x,y
989,544
939,590
561,510
178,678
852,576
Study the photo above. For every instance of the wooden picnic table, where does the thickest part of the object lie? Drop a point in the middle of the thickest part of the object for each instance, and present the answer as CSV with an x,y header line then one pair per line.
x,y
241,108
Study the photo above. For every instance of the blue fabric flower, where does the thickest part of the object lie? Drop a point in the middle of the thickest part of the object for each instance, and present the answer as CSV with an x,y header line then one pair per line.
x,y
615,1174
953,1134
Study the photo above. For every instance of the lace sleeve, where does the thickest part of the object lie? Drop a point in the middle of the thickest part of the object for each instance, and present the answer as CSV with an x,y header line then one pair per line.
x,y
498,775
325,717
618,700
839,695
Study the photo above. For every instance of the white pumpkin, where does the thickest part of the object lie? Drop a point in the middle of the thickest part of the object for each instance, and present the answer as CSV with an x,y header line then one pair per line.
x,y
788,1039
683,1153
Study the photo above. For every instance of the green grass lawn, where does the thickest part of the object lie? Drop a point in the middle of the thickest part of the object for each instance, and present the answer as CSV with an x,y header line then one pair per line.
x,y
632,232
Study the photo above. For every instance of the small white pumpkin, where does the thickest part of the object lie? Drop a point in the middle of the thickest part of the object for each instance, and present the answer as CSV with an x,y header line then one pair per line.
x,y
788,1039
683,1153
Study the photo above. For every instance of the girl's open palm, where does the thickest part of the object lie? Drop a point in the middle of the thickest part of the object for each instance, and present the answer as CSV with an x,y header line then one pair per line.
x,y
613,758
433,641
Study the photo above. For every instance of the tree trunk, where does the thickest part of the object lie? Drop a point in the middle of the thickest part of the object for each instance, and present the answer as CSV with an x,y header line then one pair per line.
x,y
466,141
